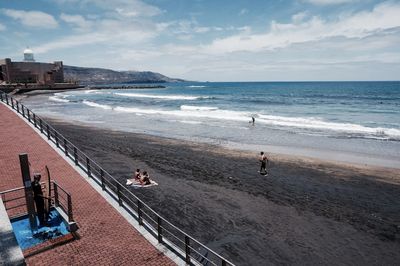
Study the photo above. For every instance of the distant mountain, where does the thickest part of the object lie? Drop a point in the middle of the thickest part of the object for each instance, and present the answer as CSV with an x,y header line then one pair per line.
x,y
87,75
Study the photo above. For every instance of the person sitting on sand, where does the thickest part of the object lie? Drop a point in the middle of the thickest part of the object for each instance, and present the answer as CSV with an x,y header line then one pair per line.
x,y
134,179
145,179
136,176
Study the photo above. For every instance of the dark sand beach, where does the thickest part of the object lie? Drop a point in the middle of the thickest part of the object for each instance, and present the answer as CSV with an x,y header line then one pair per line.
x,y
306,212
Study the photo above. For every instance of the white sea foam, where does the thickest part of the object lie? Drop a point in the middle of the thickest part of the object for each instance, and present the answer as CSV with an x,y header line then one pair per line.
x,y
190,122
197,86
91,91
58,99
319,124
198,108
93,104
164,97
208,114
213,113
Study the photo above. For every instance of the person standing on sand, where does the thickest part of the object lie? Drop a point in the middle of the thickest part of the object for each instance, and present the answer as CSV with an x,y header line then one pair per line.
x,y
263,159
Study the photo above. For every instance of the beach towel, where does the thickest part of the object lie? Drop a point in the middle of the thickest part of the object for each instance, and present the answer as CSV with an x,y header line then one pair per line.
x,y
136,184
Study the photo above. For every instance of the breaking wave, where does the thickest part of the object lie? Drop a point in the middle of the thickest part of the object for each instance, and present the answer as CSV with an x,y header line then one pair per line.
x,y
198,108
164,97
58,99
93,104
207,113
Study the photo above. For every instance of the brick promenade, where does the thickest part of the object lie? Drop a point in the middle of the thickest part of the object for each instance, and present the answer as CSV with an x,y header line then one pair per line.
x,y
106,238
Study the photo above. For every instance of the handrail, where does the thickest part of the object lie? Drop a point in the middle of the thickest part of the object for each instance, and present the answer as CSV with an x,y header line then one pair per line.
x,y
67,209
109,184
17,188
10,190
54,182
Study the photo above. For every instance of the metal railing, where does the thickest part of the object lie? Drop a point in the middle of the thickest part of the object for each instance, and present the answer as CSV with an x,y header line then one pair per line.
x,y
183,245
14,199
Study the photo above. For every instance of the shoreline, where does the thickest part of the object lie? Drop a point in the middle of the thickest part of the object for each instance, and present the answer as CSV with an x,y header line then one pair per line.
x,y
339,158
352,151
216,195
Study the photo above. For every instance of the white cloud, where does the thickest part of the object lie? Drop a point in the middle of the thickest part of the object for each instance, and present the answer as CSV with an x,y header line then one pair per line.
x,y
305,48
243,11
185,29
125,8
77,20
2,27
299,17
382,17
201,29
329,2
111,32
123,23
35,19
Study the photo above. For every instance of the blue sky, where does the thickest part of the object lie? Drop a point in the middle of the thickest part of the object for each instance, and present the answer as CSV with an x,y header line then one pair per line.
x,y
209,40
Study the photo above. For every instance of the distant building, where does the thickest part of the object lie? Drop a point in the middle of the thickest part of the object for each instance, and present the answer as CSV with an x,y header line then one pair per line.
x,y
28,55
30,71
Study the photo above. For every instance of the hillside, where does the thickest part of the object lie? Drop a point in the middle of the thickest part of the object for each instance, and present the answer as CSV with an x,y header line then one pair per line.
x,y
85,75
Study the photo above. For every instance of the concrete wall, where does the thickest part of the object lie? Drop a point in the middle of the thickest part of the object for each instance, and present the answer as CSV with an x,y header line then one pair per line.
x,y
10,252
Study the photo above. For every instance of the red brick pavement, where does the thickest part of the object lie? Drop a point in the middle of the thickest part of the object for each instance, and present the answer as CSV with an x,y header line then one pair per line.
x,y
106,238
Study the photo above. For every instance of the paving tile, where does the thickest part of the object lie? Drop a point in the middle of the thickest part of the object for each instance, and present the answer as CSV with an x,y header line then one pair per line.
x,y
106,237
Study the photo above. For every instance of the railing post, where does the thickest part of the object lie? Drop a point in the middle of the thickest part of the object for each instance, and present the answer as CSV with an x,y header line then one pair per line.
x,y
70,216
65,147
29,115
7,99
34,119
159,229
41,126
223,263
187,249
17,106
1,96
56,137
56,199
139,211
88,167
12,103
103,185
119,194
23,110
48,132
76,156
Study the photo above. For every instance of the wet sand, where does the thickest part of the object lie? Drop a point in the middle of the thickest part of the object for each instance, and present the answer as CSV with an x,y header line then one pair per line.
x,y
305,212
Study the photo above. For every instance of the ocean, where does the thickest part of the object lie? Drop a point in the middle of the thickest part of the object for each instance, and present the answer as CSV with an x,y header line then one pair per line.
x,y
355,122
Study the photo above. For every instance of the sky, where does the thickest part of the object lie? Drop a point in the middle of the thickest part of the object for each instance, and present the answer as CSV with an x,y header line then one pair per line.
x,y
211,40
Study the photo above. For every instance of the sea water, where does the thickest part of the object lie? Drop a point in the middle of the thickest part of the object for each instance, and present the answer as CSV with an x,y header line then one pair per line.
x,y
346,121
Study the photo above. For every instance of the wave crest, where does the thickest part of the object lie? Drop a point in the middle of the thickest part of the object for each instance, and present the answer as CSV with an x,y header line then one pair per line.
x,y
58,99
93,104
163,97
205,113
198,108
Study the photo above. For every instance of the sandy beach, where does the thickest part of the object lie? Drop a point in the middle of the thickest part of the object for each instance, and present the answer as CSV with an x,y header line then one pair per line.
x,y
305,212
